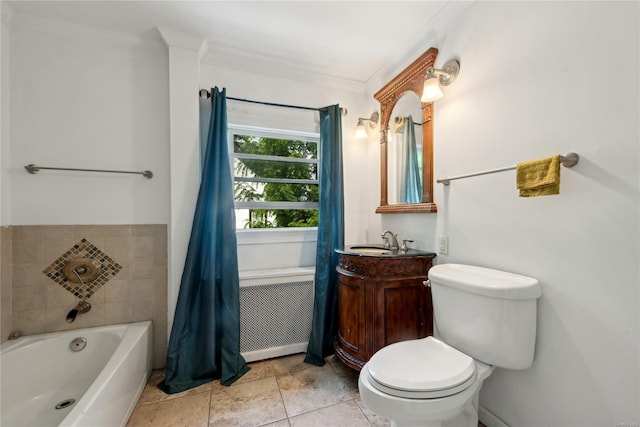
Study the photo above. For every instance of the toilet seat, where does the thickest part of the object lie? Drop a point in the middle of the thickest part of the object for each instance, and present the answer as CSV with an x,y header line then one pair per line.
x,y
421,369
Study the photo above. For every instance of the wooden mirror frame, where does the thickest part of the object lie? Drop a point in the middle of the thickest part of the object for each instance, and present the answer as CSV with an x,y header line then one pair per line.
x,y
409,80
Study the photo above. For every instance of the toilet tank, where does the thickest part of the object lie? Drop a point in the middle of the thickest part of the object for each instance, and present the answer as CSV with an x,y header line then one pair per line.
x,y
488,314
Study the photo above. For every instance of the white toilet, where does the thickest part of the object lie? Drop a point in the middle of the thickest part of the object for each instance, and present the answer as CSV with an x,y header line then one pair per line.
x,y
486,318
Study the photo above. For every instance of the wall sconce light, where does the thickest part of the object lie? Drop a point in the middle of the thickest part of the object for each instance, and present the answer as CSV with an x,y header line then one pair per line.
x,y
435,77
361,129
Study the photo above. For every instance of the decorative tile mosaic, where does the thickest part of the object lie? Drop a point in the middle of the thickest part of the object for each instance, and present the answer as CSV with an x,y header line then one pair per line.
x,y
83,249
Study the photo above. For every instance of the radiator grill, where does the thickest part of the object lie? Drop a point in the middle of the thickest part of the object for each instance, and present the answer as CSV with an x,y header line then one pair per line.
x,y
275,318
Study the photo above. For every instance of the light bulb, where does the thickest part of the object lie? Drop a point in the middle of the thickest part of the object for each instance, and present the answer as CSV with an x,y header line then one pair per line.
x,y
431,90
361,131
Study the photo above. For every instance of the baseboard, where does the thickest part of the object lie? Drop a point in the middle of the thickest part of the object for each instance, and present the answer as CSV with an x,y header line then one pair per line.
x,y
268,353
489,419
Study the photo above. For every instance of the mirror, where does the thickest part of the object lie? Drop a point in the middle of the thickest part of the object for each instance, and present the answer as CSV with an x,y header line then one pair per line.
x,y
404,151
401,98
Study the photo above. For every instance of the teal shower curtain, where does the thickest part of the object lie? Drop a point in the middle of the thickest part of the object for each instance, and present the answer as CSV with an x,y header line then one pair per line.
x,y
205,338
410,181
330,237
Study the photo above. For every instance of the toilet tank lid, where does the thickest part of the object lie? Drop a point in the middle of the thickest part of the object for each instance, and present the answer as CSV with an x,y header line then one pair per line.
x,y
485,281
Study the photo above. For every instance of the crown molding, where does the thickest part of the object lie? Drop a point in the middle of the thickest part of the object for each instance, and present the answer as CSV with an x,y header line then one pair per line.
x,y
149,41
422,41
244,60
185,41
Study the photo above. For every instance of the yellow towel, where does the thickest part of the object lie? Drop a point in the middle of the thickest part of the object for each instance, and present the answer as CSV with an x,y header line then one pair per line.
x,y
539,177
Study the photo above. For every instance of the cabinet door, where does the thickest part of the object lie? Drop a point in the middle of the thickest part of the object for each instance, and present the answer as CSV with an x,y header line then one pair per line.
x,y
351,318
402,311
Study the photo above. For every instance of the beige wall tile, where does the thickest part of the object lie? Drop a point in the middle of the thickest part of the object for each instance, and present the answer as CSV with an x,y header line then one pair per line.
x,y
142,288
56,319
52,249
29,322
6,279
160,336
150,230
98,296
142,268
159,358
28,251
117,290
142,247
141,309
28,298
55,296
116,313
117,248
90,232
29,275
137,292
43,232
95,317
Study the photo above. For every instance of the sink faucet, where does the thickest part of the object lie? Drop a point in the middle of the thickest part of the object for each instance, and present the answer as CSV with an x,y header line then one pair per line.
x,y
394,240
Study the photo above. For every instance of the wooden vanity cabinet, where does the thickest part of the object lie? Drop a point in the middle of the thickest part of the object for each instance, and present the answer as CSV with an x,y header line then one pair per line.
x,y
381,300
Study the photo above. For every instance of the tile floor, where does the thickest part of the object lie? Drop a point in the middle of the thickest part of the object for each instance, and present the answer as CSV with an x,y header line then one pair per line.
x,y
282,392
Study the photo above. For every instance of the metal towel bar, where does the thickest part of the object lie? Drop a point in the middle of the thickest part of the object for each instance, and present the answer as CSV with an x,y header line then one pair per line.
x,y
33,169
569,161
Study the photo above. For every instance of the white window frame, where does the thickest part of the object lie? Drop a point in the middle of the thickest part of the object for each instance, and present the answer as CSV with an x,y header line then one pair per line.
x,y
302,232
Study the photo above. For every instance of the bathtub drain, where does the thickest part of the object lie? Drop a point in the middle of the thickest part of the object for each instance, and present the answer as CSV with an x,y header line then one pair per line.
x,y
78,344
65,403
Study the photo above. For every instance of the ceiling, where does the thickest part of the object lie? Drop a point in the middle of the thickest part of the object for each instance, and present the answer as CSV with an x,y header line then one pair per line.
x,y
350,40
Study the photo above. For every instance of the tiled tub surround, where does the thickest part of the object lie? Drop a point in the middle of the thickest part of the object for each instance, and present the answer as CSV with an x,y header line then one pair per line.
x,y
138,292
84,253
6,292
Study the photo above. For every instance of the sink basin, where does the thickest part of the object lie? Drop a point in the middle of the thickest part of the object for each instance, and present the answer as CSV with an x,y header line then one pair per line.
x,y
371,250
377,250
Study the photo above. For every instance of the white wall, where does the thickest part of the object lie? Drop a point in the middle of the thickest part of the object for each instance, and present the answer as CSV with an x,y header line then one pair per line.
x,y
5,112
86,101
535,81
540,78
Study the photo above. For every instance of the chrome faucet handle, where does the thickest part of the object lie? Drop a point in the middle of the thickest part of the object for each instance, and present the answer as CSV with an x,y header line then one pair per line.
x,y
404,247
386,243
394,239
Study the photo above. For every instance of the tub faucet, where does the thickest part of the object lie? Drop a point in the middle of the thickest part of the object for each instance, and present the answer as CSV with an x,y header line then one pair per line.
x,y
394,240
82,307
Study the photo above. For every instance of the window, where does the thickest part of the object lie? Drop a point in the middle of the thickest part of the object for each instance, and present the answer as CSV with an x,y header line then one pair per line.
x,y
275,177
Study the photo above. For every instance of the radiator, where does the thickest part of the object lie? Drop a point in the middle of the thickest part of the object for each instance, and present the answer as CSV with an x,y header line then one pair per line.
x,y
276,308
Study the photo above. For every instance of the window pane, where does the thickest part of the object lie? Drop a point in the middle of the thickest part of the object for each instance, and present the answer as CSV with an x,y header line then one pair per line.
x,y
274,169
275,192
249,144
276,181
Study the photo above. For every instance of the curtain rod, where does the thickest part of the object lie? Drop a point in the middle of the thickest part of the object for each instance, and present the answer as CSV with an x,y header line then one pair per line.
x,y
206,94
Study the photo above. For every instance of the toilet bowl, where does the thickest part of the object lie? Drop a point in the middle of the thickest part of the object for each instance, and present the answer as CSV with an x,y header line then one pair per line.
x,y
443,395
486,319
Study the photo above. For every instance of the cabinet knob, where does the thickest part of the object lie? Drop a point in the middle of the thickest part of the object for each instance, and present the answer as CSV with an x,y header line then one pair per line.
x,y
427,283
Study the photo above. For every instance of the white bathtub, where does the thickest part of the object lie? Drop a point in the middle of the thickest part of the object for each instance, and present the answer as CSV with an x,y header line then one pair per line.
x,y
106,378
